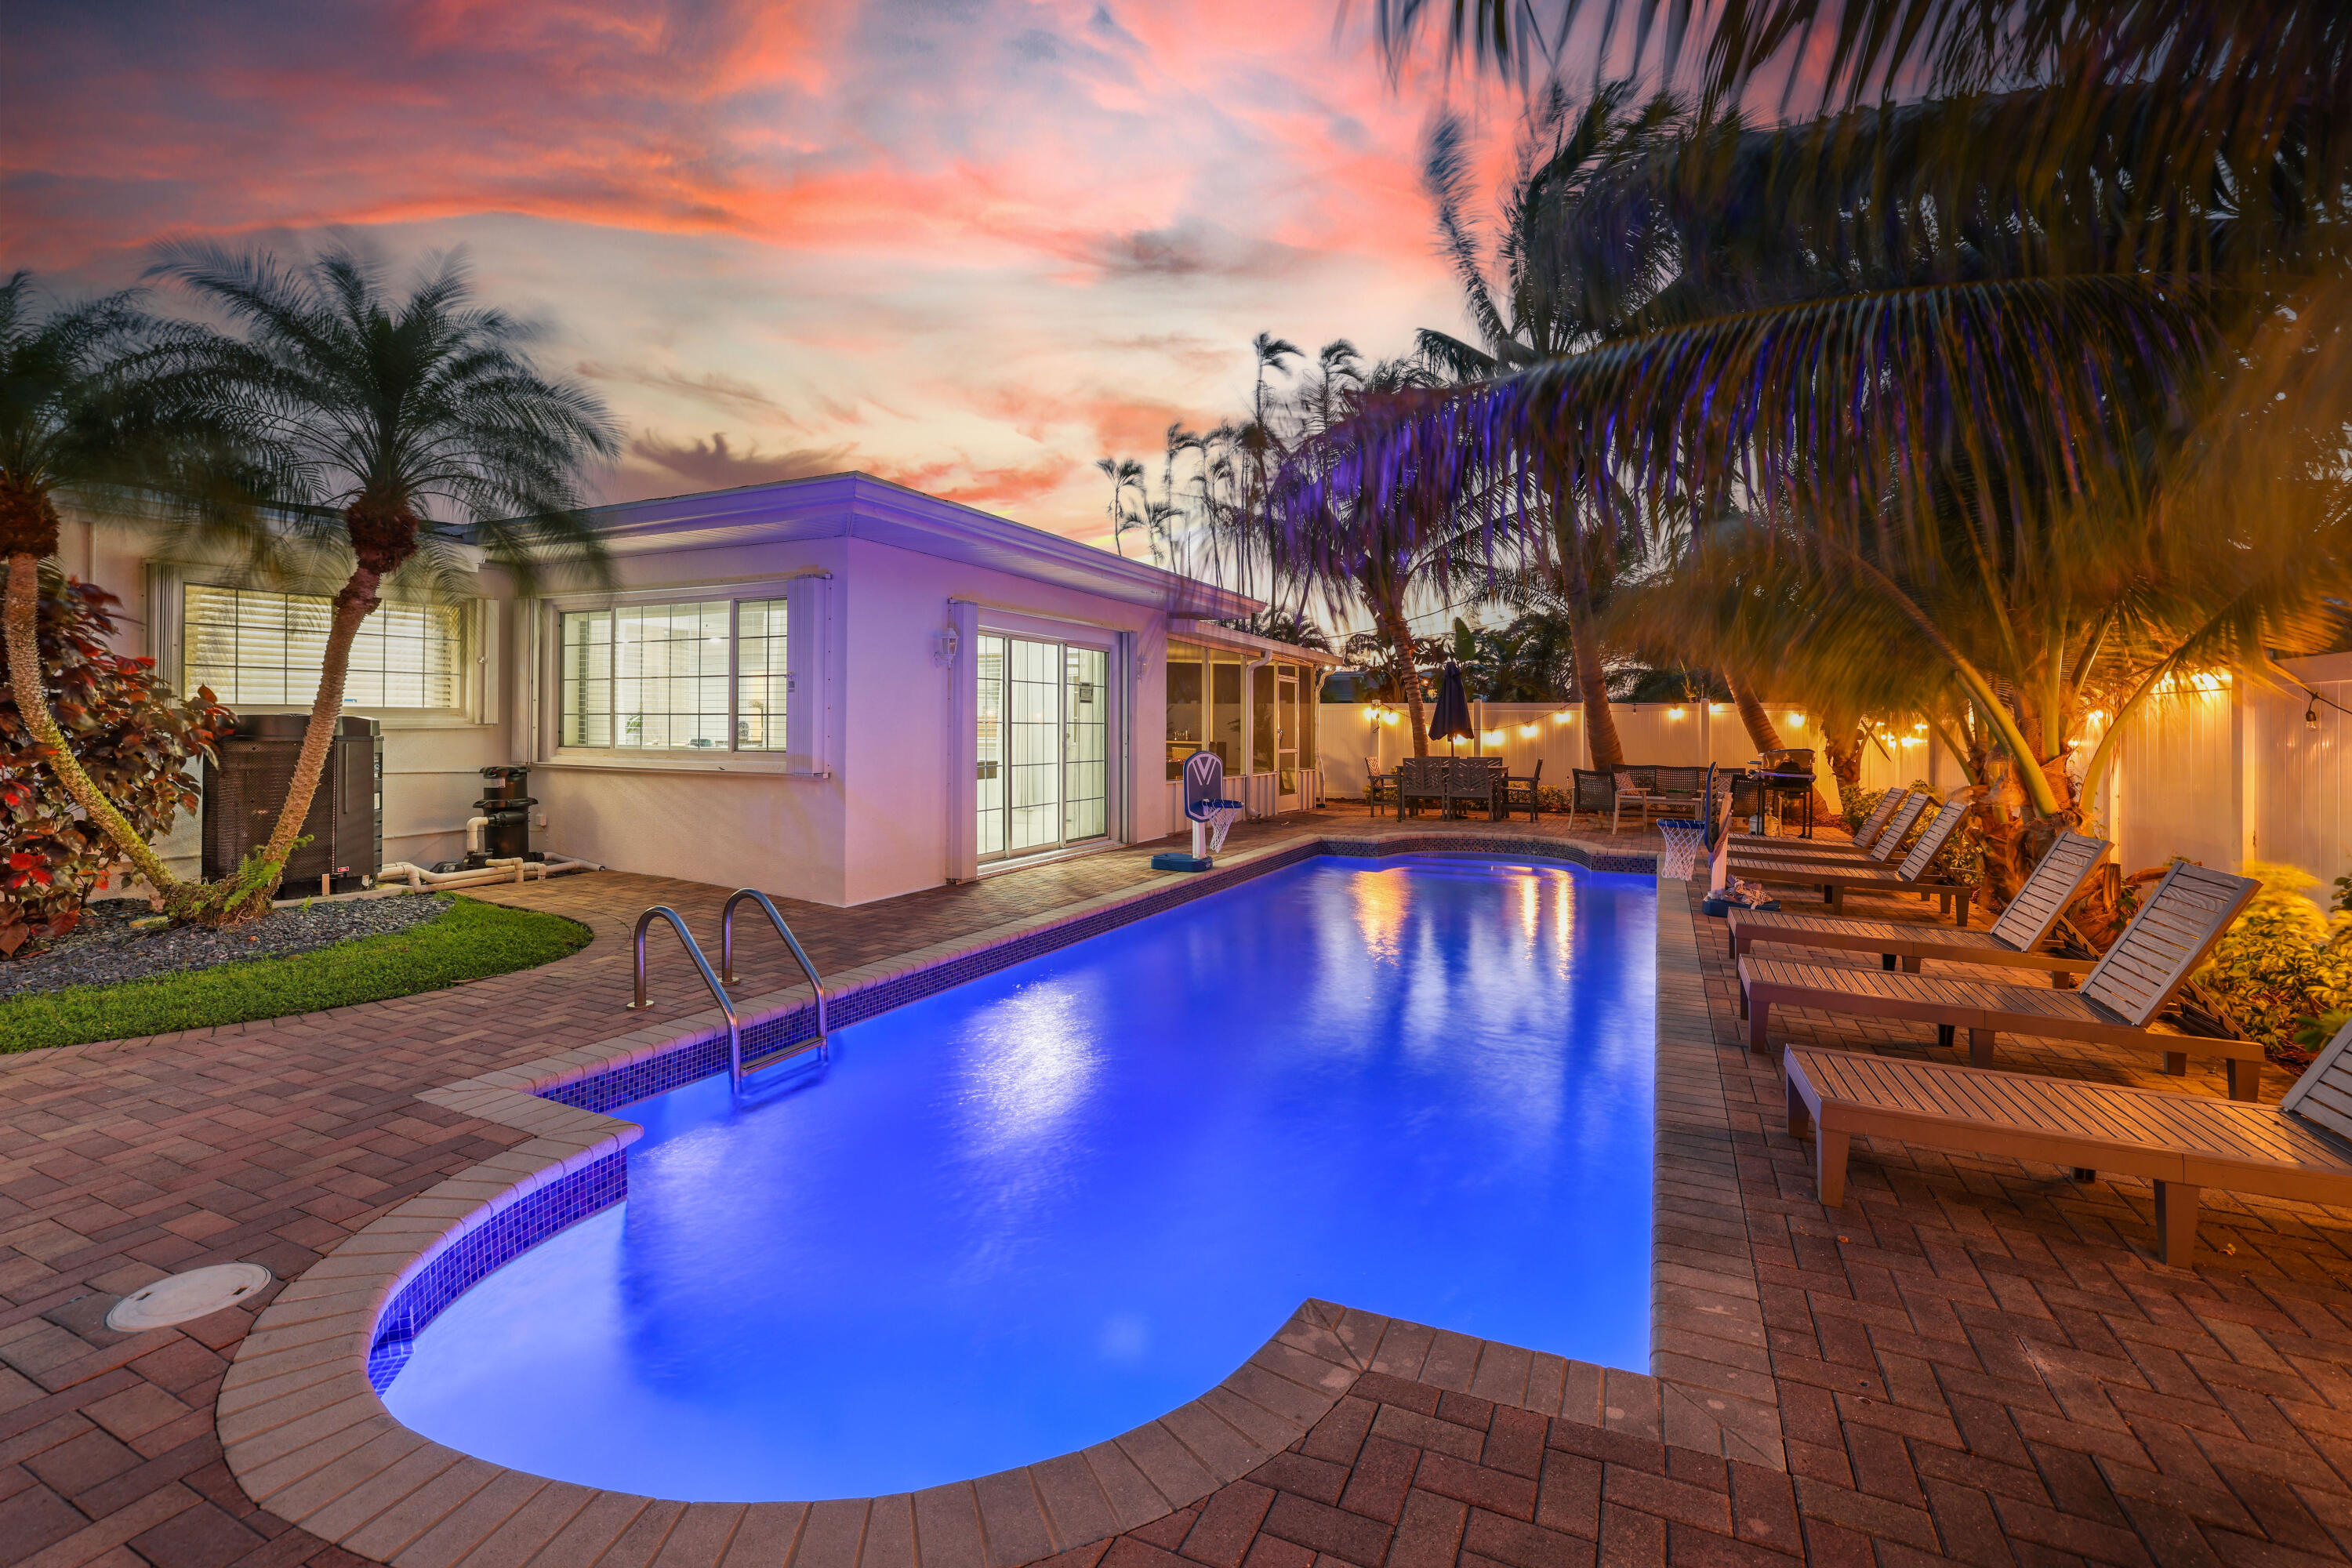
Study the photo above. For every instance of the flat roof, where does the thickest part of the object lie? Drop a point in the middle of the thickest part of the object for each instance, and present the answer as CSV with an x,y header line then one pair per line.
x,y
860,506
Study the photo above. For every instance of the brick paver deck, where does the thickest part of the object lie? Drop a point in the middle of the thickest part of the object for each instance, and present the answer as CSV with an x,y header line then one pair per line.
x,y
1971,1359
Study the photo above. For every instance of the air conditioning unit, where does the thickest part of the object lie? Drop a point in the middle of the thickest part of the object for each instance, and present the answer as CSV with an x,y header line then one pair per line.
x,y
245,788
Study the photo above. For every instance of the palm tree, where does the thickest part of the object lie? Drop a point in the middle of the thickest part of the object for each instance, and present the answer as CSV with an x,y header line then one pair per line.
x,y
1990,376
1368,554
1125,474
1559,282
1282,626
408,428
84,413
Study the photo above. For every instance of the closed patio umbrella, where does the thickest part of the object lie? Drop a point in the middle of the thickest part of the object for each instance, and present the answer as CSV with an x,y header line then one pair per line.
x,y
1452,721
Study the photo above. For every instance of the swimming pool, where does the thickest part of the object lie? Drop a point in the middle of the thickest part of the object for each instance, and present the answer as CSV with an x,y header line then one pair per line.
x,y
1044,1207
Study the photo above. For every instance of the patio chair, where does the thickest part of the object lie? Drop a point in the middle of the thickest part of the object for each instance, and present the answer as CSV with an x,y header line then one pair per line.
x,y
1877,851
1835,880
1865,839
1524,791
1378,786
2183,1143
1478,781
2116,1004
1590,791
2014,941
1421,780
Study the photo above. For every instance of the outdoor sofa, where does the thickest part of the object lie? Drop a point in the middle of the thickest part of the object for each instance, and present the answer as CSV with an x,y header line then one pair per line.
x,y
1596,791
2182,1142
2116,1004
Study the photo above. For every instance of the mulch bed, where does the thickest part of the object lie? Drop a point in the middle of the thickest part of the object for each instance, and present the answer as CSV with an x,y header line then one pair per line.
x,y
104,950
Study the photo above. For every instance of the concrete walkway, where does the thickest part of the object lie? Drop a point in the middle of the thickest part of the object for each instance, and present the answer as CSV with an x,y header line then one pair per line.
x,y
1971,1359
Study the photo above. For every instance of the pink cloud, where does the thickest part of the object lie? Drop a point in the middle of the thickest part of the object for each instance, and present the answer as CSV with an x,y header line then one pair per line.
x,y
973,248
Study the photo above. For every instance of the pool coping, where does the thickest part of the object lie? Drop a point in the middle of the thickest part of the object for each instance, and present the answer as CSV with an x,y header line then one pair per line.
x,y
304,1431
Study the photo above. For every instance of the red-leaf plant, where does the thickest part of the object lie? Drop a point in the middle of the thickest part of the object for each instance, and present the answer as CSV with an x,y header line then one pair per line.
x,y
124,723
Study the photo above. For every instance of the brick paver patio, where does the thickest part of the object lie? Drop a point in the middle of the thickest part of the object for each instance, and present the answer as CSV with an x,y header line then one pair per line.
x,y
1971,1359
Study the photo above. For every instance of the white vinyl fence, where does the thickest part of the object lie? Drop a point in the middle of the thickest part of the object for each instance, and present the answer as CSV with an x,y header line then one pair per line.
x,y
1524,734
2220,774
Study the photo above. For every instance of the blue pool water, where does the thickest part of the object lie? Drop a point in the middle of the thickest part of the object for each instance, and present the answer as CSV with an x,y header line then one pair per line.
x,y
1030,1213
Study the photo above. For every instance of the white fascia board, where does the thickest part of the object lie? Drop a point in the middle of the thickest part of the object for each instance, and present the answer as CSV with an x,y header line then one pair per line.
x,y
1204,631
863,506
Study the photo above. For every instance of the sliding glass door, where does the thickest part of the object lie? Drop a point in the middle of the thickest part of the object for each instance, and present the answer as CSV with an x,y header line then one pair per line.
x,y
1044,745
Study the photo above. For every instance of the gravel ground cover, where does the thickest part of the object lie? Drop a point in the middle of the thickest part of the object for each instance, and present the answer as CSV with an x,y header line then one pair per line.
x,y
104,950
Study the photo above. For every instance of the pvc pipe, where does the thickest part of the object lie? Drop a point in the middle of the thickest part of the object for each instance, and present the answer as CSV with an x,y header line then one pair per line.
x,y
514,869
475,827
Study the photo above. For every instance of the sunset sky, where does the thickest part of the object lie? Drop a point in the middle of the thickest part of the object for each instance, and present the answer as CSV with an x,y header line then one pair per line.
x,y
970,246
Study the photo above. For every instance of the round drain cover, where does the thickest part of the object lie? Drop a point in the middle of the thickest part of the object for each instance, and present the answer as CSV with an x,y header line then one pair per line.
x,y
184,1297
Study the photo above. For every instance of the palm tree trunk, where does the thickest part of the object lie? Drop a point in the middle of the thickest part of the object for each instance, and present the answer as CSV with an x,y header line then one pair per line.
x,y
1759,723
1576,586
1844,750
1593,683
352,605
1400,640
22,616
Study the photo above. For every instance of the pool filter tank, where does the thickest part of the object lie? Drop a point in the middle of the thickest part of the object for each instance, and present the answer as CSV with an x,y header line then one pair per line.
x,y
507,804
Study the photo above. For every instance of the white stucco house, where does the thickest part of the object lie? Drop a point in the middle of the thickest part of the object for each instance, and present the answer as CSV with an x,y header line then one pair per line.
x,y
833,689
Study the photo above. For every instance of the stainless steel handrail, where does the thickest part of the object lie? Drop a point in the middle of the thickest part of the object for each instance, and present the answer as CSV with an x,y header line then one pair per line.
x,y
727,958
717,993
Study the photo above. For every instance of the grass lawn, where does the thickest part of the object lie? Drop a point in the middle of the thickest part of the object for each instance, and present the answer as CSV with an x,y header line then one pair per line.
x,y
468,942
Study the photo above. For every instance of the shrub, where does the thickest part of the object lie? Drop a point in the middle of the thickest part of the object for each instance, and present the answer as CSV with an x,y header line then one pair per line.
x,y
134,735
2285,963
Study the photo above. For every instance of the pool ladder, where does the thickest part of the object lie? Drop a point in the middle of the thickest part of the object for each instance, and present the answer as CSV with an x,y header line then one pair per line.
x,y
735,1068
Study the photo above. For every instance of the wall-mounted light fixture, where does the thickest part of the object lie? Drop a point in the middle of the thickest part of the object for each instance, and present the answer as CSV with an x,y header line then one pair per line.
x,y
1674,712
944,647
1796,720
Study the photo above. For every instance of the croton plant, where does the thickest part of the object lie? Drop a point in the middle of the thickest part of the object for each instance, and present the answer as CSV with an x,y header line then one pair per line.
x,y
130,731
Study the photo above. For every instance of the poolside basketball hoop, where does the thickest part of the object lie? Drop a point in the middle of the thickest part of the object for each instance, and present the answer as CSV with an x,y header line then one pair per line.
x,y
1210,814
1686,837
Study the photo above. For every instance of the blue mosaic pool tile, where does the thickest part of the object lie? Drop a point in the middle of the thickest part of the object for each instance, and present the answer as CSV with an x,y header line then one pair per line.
x,y
523,1225
473,1257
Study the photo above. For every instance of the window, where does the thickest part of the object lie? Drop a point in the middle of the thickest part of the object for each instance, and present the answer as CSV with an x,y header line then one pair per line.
x,y
705,676
267,650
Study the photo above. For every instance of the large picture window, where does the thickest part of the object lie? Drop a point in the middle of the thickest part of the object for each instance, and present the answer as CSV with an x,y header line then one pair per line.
x,y
708,675
258,649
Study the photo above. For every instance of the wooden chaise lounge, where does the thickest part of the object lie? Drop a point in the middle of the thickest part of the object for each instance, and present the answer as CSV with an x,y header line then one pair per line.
x,y
1881,850
2014,942
1869,838
1835,880
2116,1004
2182,1142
